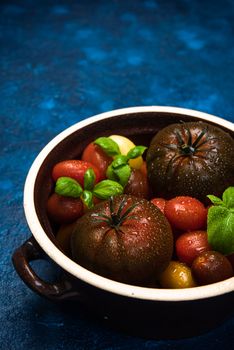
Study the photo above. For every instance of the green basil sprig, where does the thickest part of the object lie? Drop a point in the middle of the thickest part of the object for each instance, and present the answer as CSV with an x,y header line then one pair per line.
x,y
119,174
87,198
107,188
109,146
119,170
136,151
89,179
220,223
68,187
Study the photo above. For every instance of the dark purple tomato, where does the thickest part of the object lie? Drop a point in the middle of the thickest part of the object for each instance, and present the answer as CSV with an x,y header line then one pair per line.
x,y
137,184
125,239
231,259
190,159
63,237
64,210
210,267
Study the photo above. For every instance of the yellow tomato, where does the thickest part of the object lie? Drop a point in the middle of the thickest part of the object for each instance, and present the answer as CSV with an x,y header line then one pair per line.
x,y
177,275
124,146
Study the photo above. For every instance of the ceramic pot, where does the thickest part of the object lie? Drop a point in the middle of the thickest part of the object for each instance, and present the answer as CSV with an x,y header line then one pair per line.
x,y
142,311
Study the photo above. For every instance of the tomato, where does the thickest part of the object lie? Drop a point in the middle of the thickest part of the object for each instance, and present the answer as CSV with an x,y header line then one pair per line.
x,y
75,169
177,275
231,259
191,158
160,203
143,168
137,184
96,156
64,209
186,213
126,239
210,267
190,244
125,145
64,236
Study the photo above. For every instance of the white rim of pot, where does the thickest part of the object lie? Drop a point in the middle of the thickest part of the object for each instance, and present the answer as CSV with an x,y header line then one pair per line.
x,y
87,276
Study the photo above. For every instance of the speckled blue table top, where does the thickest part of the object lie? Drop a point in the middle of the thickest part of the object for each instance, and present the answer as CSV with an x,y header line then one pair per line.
x,y
63,61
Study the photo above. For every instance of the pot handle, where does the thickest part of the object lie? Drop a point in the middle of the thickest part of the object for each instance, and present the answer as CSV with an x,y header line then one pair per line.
x,y
21,259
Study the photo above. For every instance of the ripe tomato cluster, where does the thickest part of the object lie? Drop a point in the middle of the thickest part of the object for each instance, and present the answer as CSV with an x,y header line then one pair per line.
x,y
117,161
66,209
194,263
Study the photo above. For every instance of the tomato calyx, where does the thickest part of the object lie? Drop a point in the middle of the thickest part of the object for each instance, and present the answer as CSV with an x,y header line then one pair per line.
x,y
117,216
190,147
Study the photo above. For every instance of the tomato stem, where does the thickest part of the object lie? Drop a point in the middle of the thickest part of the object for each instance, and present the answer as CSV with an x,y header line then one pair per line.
x,y
117,217
187,150
188,147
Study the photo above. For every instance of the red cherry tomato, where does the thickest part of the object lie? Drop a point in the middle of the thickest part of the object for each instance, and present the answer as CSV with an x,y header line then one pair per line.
x,y
160,203
190,244
64,209
186,213
74,169
95,155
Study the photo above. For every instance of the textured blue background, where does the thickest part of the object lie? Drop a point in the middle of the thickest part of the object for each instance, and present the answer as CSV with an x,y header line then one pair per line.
x,y
63,61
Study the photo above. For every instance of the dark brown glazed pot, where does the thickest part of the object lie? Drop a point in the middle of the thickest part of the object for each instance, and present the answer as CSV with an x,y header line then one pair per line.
x,y
151,312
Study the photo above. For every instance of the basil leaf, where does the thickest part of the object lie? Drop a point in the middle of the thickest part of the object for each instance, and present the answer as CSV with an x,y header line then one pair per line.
x,y
120,174
89,179
87,199
136,152
228,197
110,173
215,200
119,161
220,229
68,187
109,146
123,173
107,188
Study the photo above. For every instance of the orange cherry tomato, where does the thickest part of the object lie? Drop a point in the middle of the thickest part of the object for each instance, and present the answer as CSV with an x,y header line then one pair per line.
x,y
177,275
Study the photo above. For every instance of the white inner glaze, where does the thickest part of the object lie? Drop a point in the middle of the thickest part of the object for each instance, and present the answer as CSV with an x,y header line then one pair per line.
x,y
90,277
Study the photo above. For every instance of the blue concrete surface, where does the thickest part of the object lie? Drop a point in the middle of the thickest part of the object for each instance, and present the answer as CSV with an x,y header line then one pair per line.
x,y
63,61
